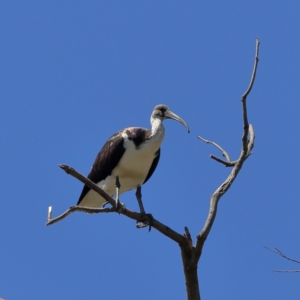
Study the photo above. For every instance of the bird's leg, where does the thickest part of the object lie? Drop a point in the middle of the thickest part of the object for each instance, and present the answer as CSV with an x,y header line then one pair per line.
x,y
147,217
138,195
118,185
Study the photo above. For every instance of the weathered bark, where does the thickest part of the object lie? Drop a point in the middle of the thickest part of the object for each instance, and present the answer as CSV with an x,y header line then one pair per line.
x,y
190,274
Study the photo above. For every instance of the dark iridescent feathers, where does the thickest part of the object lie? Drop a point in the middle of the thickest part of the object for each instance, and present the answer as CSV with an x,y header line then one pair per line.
x,y
106,161
153,166
138,135
112,152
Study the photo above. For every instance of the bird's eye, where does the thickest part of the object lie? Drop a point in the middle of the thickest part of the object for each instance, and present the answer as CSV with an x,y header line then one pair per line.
x,y
163,110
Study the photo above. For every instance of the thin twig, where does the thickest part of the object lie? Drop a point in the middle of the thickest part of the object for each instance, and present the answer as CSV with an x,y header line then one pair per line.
x,y
224,153
226,163
278,252
254,70
72,209
230,163
244,97
286,271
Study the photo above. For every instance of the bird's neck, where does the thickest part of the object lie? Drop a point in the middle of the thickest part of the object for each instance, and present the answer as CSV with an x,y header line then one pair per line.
x,y
157,128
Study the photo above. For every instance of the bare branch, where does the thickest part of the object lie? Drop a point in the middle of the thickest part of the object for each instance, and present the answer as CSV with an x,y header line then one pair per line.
x,y
89,183
286,271
167,231
227,164
244,97
278,252
247,146
72,209
254,70
224,153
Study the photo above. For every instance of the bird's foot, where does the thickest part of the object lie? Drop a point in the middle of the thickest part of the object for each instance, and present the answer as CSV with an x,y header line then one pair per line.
x,y
147,221
119,207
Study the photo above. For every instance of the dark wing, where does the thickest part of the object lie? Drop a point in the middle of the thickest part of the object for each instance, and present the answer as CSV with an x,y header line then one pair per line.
x,y
106,160
153,166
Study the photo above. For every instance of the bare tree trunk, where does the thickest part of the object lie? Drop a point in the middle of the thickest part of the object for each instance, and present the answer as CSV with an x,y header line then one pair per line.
x,y
190,274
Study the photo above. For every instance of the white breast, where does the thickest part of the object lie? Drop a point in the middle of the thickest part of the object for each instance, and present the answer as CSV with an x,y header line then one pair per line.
x,y
132,169
135,163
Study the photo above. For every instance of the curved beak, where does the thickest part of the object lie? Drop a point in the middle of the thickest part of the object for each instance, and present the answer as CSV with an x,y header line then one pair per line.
x,y
170,115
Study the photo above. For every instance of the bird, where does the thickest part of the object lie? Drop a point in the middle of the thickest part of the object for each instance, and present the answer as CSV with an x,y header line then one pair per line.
x,y
127,160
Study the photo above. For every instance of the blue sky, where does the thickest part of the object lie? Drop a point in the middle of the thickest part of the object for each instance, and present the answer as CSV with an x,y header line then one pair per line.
x,y
73,73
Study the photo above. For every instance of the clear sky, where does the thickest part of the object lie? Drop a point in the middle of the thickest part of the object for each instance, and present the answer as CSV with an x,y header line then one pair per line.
x,y
75,72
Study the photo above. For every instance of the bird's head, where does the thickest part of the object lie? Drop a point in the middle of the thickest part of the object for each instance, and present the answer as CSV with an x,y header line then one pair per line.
x,y
163,112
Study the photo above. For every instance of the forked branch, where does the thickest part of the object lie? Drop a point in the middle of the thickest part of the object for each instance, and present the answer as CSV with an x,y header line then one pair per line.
x,y
278,252
247,146
72,209
224,153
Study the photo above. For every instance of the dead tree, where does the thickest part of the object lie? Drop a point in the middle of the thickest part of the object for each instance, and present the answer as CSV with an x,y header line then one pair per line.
x,y
190,253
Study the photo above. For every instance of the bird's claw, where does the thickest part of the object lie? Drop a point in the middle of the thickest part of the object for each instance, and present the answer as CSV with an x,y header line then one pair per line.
x,y
148,220
120,207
